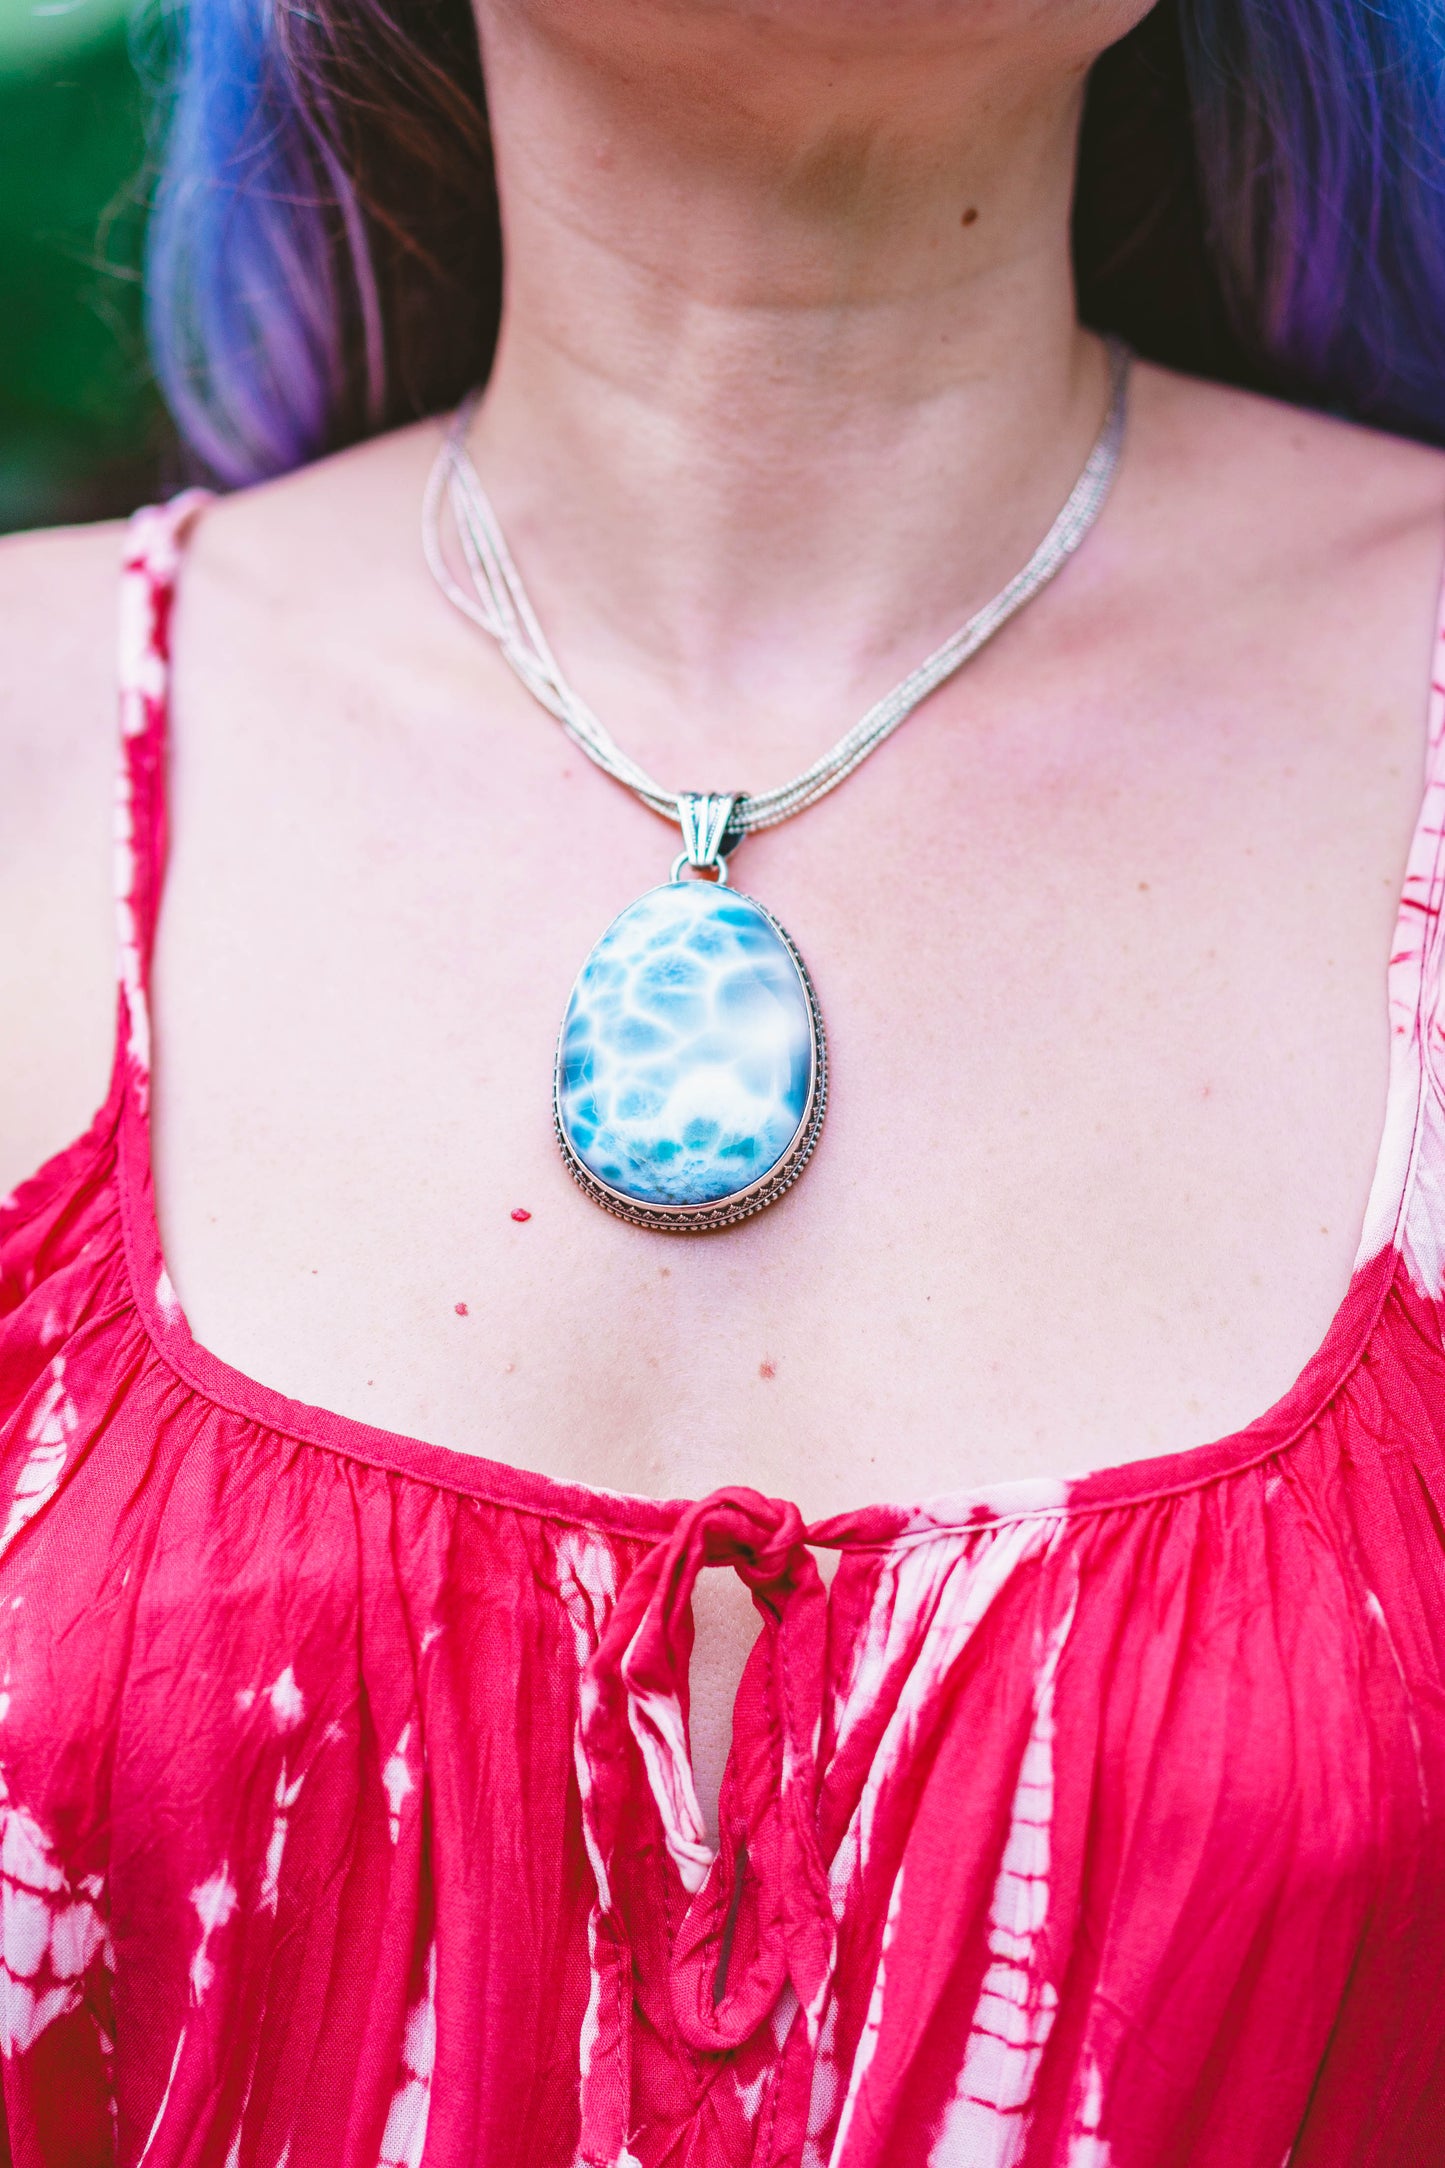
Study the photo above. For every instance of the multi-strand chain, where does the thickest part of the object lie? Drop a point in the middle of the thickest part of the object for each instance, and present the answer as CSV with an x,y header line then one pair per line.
x,y
498,602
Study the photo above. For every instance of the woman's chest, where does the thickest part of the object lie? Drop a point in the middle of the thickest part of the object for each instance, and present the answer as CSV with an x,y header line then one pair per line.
x,y
1107,1075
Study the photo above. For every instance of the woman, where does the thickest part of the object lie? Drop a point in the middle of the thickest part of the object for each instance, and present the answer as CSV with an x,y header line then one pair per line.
x,y
1088,1818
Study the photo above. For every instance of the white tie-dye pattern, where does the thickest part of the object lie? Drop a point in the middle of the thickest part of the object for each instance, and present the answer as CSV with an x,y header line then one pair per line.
x,y
1411,1163
587,1583
656,1724
404,2138
129,960
1086,2148
750,2095
1376,1611
985,2125
872,2025
165,2100
50,1431
152,558
954,1588
827,2080
951,1581
233,2151
953,1512
168,1302
398,1784
288,1703
884,1638
49,1933
591,2016
286,1798
215,1900
141,668
1421,1235
142,680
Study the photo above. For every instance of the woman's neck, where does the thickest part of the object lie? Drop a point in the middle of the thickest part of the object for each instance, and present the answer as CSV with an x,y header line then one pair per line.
x,y
789,378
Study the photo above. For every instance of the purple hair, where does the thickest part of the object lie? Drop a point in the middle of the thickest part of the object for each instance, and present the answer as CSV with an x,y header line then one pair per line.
x,y
1261,198
1320,127
323,257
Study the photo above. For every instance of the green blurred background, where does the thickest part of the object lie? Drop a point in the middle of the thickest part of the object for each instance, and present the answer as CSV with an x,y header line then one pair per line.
x,y
82,435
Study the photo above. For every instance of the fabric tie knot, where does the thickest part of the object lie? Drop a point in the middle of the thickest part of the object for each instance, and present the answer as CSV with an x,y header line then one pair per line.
x,y
763,1539
759,1916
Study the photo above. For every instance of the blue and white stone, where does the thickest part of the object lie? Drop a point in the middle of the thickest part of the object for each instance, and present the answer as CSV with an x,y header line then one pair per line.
x,y
685,1066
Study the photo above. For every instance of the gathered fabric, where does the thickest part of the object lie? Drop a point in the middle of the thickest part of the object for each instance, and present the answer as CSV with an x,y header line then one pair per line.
x,y
347,1817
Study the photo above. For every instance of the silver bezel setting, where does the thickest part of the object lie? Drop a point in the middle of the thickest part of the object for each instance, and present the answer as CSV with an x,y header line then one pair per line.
x,y
700,1219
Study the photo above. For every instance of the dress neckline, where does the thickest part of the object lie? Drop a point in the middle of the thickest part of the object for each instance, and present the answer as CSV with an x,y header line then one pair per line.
x,y
153,554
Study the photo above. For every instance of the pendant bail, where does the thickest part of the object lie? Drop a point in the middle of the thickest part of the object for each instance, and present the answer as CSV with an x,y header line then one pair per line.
x,y
703,816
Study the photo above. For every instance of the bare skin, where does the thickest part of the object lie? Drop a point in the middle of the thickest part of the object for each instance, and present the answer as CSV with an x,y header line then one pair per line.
x,y
1101,936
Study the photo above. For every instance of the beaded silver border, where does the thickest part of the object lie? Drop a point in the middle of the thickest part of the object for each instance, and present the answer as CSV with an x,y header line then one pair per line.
x,y
701,1219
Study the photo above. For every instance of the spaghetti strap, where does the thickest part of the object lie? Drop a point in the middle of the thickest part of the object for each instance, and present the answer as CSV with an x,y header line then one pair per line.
x,y
1415,961
154,542
1406,1209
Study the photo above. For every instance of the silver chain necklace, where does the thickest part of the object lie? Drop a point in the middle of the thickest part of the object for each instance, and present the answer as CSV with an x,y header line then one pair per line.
x,y
690,1080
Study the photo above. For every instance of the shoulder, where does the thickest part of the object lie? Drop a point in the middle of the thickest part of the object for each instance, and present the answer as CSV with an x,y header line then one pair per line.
x,y
1283,484
316,579
1304,551
275,578
348,521
58,610
58,601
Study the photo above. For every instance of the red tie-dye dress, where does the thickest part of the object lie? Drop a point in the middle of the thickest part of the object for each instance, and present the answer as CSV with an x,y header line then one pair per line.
x,y
346,1818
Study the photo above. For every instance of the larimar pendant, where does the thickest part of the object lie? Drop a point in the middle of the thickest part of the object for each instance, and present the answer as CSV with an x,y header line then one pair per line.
x,y
692,1072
